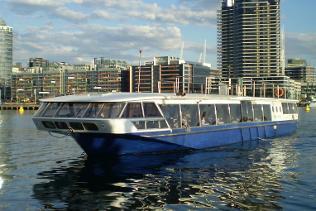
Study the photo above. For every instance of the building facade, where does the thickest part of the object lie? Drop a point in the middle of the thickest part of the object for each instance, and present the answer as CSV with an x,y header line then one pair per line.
x,y
6,46
299,70
249,38
38,65
29,87
6,43
168,74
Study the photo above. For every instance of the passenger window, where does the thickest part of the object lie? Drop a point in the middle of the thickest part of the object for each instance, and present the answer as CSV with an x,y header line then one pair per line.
x,y
285,108
72,109
111,110
90,126
152,124
66,110
207,114
80,108
235,113
293,108
49,125
140,125
151,110
163,124
61,125
258,113
76,125
41,109
266,112
93,110
246,111
222,114
51,109
133,110
190,116
172,115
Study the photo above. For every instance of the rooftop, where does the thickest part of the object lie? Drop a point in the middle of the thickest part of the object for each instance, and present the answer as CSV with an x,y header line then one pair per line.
x,y
127,97
2,22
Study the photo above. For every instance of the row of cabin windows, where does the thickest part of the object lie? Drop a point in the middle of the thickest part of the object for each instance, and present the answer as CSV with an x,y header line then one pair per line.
x,y
210,114
100,110
71,125
214,114
289,108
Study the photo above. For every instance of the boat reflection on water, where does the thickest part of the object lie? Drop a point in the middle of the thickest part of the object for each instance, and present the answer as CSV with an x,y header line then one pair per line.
x,y
243,176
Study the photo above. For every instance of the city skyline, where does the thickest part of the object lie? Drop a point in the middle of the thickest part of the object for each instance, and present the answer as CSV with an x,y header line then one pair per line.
x,y
75,31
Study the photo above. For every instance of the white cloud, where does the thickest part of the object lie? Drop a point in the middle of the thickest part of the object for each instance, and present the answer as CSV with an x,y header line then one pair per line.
x,y
181,13
64,12
88,41
127,25
53,8
302,45
48,3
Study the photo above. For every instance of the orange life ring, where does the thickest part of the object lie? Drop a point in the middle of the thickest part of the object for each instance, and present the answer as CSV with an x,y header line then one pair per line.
x,y
279,92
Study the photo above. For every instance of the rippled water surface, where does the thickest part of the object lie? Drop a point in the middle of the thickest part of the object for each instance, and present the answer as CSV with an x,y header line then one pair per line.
x,y
38,171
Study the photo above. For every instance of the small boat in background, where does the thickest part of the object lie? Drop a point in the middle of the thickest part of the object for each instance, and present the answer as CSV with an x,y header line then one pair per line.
x,y
133,123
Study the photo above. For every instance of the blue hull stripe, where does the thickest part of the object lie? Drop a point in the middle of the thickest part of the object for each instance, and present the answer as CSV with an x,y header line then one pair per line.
x,y
99,144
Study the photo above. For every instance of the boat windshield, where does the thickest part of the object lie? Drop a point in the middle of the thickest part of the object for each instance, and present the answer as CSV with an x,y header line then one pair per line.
x,y
72,109
51,109
41,109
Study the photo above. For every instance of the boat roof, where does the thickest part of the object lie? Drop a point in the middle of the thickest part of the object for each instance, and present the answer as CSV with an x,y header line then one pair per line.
x,y
126,97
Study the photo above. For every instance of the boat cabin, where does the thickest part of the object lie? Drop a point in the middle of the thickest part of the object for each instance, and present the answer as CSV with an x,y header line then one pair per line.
x,y
155,112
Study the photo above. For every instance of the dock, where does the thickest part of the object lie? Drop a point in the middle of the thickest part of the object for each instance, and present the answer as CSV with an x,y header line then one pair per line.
x,y
17,106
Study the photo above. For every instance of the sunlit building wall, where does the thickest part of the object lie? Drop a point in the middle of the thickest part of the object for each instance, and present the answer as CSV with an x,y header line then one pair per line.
x,y
249,38
6,36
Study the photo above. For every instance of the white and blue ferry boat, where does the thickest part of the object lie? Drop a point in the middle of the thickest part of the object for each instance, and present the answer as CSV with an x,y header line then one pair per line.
x,y
132,123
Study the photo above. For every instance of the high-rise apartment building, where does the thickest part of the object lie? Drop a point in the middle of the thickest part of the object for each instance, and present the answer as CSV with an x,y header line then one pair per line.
x,y
249,38
6,36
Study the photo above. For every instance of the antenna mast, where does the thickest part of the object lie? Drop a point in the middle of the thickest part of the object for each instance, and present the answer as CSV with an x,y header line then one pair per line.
x,y
181,50
204,52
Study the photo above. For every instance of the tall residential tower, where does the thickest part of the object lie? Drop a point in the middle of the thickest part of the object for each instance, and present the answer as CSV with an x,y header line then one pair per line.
x,y
249,38
6,36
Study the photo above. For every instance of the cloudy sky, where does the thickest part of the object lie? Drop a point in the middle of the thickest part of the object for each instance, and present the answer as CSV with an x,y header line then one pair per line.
x,y
76,31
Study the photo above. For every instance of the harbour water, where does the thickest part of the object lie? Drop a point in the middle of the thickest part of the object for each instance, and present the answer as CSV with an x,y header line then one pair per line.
x,y
39,172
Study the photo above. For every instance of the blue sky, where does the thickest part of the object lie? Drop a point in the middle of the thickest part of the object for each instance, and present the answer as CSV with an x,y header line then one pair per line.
x,y
76,31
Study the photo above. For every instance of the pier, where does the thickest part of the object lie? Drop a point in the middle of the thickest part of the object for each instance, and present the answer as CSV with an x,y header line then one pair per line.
x,y
16,106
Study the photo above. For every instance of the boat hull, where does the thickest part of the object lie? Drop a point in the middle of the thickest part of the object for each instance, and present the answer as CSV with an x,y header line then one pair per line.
x,y
102,144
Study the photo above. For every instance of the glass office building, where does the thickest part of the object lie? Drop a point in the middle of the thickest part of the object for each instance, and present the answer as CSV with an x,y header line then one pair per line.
x,y
6,36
